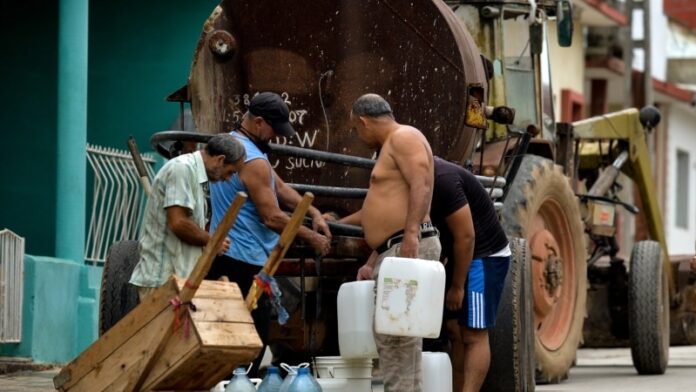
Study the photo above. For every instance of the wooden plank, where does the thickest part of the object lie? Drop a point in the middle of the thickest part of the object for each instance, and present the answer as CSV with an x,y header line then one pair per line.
x,y
177,351
215,289
128,358
205,370
213,309
228,335
205,260
116,337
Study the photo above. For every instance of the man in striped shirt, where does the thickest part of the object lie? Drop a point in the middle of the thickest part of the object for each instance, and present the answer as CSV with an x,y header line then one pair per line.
x,y
173,233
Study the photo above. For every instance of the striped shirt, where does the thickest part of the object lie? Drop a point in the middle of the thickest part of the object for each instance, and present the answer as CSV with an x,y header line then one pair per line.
x,y
180,182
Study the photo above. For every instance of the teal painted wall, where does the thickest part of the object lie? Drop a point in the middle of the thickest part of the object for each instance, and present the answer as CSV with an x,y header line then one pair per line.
x,y
60,312
136,60
28,69
139,52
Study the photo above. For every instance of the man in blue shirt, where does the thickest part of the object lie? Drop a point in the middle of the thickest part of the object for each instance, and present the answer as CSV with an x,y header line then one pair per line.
x,y
255,232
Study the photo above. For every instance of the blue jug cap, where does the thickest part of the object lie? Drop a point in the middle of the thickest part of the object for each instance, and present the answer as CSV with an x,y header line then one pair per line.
x,y
240,370
272,370
303,370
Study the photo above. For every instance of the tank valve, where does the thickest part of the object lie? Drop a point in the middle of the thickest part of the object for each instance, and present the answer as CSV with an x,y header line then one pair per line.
x,y
490,12
500,114
222,44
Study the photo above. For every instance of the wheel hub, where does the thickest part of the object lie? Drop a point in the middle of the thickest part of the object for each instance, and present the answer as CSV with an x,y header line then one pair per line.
x,y
547,271
553,274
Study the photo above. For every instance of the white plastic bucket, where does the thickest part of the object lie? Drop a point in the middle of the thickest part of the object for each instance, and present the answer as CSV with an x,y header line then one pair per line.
x,y
335,384
356,315
410,297
437,372
357,372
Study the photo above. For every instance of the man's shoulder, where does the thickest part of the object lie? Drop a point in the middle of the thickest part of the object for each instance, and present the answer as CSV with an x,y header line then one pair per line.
x,y
183,164
405,140
444,168
406,133
256,169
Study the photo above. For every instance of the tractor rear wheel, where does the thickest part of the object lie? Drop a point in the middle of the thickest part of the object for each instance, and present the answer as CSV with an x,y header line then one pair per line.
x,y
648,309
512,338
117,296
542,208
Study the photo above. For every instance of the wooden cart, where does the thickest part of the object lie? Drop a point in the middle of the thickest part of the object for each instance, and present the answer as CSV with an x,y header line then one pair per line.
x,y
187,335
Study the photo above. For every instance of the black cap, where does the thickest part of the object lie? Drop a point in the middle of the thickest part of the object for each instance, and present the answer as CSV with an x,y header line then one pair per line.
x,y
272,108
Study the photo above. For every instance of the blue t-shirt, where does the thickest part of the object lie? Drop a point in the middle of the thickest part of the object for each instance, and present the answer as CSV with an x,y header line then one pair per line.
x,y
251,240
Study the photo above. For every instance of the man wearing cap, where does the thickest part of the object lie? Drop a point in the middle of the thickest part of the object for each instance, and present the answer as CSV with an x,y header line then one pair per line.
x,y
254,234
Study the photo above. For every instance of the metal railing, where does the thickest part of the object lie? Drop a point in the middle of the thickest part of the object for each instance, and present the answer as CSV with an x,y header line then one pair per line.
x,y
117,199
11,286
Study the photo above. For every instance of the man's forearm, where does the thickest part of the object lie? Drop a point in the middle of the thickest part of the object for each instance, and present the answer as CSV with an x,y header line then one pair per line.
x,y
352,219
290,198
287,195
418,203
189,232
463,253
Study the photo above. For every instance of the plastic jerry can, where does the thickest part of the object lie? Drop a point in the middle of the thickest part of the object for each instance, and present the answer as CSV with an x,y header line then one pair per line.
x,y
356,315
304,382
410,297
240,382
272,381
437,372
290,377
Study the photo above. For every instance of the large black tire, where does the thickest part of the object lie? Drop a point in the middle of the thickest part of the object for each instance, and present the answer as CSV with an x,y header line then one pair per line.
x,y
542,208
648,309
512,339
117,296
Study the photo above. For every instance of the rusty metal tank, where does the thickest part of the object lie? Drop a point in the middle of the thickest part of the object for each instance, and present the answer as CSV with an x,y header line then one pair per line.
x,y
322,55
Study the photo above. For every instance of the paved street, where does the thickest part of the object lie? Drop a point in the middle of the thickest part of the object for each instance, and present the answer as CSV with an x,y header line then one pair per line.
x,y
596,370
28,382
600,370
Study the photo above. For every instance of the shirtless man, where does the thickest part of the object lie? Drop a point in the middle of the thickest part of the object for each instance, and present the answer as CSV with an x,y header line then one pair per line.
x,y
395,219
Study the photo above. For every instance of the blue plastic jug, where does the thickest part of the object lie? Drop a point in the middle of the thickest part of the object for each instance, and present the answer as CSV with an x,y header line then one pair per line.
x,y
272,381
304,382
240,382
292,373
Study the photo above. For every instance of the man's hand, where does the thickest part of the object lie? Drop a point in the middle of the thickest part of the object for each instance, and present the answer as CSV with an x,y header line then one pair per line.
x,y
409,246
365,272
224,246
454,298
319,225
330,216
320,243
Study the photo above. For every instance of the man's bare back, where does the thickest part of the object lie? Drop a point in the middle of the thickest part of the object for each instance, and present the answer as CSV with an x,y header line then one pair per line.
x,y
405,162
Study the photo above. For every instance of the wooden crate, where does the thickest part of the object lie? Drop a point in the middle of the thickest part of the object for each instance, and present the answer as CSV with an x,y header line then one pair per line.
x,y
221,336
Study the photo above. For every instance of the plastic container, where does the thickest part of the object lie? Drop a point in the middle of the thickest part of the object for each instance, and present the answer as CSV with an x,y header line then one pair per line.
x,y
337,374
292,373
304,382
337,385
240,382
410,297
272,381
437,372
356,315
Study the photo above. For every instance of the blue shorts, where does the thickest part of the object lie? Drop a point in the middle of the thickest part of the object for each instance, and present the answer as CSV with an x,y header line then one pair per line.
x,y
484,286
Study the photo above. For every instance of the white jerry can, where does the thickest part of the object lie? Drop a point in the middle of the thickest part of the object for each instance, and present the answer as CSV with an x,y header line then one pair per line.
x,y
410,297
356,315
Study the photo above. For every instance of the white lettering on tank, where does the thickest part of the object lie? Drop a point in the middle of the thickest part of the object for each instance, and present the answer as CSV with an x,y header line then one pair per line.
x,y
303,138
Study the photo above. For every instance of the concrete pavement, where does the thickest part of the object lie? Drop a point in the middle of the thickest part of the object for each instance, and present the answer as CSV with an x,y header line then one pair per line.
x,y
597,370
